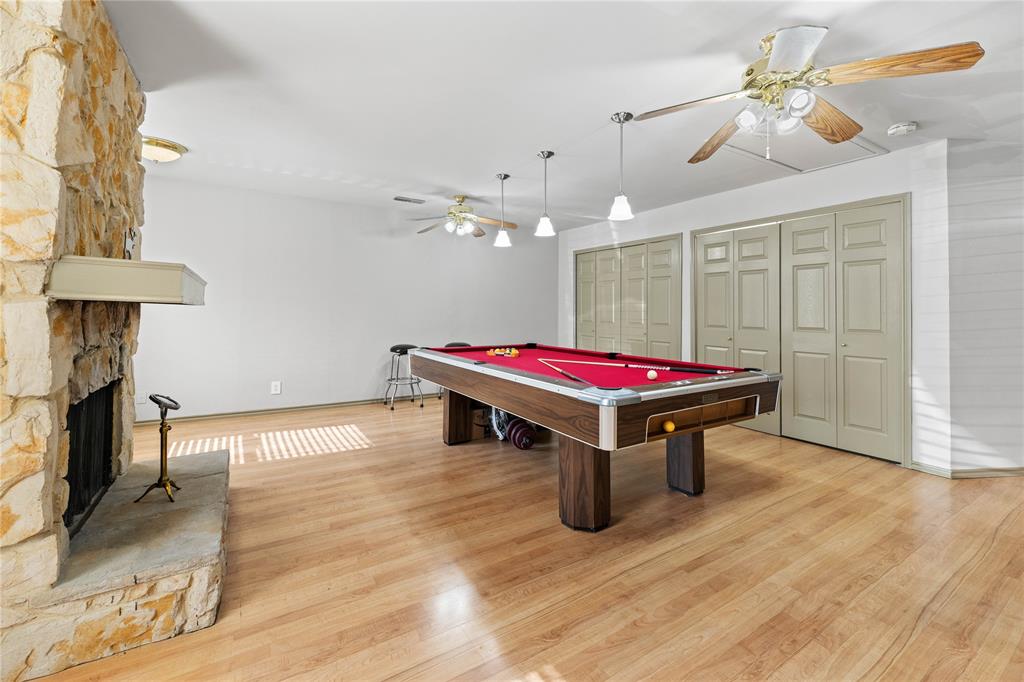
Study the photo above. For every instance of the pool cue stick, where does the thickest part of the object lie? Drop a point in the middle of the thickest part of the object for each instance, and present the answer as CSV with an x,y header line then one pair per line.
x,y
562,371
663,368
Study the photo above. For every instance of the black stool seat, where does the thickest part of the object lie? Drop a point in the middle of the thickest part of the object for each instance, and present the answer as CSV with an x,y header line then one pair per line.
x,y
403,348
456,344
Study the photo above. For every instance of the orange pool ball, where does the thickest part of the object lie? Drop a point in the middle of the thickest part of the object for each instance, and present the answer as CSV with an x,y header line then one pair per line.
x,y
668,426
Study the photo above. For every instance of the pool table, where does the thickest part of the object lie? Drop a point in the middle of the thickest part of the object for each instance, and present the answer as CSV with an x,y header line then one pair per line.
x,y
599,408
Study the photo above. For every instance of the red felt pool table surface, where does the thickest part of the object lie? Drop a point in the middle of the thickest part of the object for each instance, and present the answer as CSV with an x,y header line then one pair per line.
x,y
598,375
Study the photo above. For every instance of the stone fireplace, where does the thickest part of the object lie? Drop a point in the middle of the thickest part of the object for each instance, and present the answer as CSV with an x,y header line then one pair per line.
x,y
71,184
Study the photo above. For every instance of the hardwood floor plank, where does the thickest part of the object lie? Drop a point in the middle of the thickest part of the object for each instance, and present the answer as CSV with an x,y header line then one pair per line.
x,y
361,547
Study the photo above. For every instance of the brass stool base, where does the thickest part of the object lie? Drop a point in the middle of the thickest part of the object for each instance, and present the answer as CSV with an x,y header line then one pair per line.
x,y
166,485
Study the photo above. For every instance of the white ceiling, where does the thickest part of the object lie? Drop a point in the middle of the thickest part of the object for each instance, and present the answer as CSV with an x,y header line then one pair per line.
x,y
358,102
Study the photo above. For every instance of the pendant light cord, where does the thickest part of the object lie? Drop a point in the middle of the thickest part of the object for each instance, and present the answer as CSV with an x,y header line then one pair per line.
x,y
545,185
620,157
502,204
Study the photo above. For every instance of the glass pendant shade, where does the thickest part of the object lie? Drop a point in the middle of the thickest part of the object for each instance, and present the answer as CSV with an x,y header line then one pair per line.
x,y
502,241
544,227
620,209
450,226
798,102
750,117
786,124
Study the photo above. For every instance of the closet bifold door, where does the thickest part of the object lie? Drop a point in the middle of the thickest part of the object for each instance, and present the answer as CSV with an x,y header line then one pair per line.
x,y
608,300
809,329
869,312
586,329
714,256
634,299
664,299
756,335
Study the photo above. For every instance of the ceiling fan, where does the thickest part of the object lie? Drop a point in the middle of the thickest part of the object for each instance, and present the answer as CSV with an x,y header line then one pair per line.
x,y
780,82
461,219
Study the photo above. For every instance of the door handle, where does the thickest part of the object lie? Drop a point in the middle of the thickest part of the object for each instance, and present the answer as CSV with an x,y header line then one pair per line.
x,y
843,345
729,339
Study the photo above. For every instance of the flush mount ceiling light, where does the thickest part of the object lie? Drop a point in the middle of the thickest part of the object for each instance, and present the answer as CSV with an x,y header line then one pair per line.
x,y
502,241
160,150
621,209
544,226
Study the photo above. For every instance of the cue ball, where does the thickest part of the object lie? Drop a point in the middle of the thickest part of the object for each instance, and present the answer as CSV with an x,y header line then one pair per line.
x,y
668,426
652,375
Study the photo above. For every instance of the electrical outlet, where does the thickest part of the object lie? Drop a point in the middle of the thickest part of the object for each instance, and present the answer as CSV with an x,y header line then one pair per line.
x,y
275,388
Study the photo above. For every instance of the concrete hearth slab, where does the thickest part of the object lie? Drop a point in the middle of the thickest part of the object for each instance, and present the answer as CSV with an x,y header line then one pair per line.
x,y
125,543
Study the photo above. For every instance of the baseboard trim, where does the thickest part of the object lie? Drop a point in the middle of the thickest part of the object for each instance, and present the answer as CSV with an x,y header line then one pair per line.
x,y
992,472
988,472
930,469
275,410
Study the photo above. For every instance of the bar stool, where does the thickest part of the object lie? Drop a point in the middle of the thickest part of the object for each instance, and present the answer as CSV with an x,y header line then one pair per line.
x,y
396,379
452,344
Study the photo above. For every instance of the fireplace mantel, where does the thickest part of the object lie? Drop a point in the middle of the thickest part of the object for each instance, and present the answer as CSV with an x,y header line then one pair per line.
x,y
84,278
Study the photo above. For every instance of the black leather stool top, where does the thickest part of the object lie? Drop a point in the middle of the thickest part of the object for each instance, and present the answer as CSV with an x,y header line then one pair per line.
x,y
456,344
403,348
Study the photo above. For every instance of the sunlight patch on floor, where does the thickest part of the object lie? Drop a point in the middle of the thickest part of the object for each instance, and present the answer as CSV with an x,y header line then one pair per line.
x,y
275,445
233,443
321,440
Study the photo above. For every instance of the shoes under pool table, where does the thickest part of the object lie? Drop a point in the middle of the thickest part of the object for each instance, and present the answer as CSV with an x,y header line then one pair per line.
x,y
597,408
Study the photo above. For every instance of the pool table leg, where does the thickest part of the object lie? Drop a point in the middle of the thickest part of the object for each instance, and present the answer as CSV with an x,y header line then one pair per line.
x,y
584,485
684,458
458,418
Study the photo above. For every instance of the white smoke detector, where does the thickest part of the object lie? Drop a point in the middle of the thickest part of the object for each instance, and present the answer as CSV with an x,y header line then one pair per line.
x,y
902,128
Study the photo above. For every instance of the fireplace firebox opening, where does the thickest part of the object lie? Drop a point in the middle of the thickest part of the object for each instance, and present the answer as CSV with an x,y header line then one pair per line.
x,y
90,460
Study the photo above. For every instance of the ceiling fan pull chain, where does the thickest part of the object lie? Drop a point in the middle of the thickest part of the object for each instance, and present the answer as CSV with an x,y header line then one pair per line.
x,y
768,143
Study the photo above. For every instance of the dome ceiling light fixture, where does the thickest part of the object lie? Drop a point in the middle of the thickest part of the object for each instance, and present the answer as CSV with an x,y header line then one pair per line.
x,y
780,82
159,150
544,226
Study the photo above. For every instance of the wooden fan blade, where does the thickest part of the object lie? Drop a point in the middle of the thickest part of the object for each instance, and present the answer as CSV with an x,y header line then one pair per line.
x,y
478,231
492,221
715,141
428,228
830,123
934,60
697,102
436,217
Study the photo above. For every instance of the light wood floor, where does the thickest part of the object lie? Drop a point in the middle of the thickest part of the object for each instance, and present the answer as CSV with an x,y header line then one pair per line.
x,y
375,551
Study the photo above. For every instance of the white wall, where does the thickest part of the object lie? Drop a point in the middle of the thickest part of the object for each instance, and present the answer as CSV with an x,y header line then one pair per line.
x,y
314,293
921,171
986,236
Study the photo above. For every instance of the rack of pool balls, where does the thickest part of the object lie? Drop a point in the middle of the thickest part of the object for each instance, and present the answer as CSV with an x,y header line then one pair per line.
x,y
507,352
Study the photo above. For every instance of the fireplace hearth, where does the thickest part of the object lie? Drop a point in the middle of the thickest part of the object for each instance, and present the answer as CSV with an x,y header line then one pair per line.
x,y
90,458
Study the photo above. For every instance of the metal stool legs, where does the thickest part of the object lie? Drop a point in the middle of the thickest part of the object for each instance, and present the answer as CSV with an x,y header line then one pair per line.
x,y
396,379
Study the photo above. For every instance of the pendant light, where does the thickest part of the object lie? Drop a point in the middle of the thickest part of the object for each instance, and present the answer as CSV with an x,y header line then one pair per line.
x,y
544,226
620,207
502,241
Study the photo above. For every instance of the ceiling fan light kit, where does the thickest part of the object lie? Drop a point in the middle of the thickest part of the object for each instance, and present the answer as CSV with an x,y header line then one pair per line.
x,y
621,210
781,83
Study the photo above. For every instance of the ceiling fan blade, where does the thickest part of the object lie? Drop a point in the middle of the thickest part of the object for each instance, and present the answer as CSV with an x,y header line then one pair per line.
x,y
715,141
428,228
492,221
436,217
793,47
830,123
478,231
697,102
934,60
